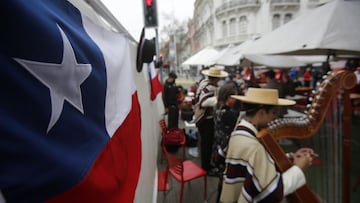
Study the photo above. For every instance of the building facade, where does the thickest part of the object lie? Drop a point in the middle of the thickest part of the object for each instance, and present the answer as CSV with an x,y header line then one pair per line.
x,y
220,23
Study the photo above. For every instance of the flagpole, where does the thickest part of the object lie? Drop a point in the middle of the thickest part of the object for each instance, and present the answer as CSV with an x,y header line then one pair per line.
x,y
158,54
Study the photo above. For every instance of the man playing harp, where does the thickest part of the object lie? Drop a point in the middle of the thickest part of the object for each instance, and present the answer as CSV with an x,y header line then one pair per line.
x,y
251,174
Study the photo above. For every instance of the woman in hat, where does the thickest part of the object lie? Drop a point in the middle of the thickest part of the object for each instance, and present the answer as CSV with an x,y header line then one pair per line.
x,y
206,99
250,174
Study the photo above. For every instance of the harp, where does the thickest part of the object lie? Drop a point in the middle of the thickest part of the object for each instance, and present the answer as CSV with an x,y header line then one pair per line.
x,y
308,125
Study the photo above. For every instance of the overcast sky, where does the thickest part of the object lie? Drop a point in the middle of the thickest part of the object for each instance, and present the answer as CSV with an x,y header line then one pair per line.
x,y
130,13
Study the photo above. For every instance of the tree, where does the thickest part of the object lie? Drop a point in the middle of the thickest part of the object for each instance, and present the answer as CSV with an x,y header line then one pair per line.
x,y
174,38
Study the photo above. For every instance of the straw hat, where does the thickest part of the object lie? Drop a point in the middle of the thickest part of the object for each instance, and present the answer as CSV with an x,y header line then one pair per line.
x,y
215,72
263,96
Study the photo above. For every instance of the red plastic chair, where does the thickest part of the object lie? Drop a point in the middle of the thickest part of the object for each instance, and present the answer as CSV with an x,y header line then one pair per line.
x,y
184,171
163,181
165,132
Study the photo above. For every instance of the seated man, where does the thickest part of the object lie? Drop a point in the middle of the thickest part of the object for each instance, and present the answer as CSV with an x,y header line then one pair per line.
x,y
251,174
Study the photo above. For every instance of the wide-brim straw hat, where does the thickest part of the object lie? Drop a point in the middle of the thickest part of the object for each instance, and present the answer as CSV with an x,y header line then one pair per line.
x,y
215,72
263,96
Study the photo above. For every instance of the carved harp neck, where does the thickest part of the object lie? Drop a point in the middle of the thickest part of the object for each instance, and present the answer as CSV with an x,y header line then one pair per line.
x,y
309,124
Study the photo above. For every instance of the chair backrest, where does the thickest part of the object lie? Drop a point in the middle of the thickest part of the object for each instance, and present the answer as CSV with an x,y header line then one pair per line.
x,y
163,126
175,164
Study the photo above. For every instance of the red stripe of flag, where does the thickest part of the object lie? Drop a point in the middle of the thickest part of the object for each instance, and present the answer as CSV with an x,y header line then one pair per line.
x,y
115,173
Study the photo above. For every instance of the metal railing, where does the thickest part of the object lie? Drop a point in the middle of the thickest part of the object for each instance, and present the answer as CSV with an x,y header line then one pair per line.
x,y
284,1
234,4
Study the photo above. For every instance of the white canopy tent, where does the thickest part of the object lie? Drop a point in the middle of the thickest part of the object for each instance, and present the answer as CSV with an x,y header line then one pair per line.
x,y
205,57
233,56
222,53
329,29
281,61
277,61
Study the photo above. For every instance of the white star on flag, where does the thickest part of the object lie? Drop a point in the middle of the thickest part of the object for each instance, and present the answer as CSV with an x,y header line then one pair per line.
x,y
54,76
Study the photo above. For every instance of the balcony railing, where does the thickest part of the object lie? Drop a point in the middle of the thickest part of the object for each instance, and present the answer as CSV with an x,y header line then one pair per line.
x,y
285,3
236,4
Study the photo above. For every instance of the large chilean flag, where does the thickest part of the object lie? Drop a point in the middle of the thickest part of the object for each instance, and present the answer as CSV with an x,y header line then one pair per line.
x,y
69,112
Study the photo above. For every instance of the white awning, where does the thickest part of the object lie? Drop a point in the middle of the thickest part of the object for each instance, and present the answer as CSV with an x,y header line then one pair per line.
x,y
281,61
205,57
232,55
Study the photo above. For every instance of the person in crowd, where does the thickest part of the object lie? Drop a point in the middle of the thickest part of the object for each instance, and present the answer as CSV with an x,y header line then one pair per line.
x,y
272,83
288,85
307,77
170,99
316,75
205,101
181,94
250,174
225,118
293,73
238,79
230,77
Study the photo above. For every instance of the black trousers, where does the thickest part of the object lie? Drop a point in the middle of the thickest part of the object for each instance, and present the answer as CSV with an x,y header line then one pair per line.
x,y
206,131
173,116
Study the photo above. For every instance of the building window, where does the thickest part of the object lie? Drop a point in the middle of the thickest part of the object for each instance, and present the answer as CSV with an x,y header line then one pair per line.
x,y
276,21
224,29
287,17
243,25
232,27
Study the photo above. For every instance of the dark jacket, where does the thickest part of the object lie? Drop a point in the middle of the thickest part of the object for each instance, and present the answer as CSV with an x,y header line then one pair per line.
x,y
170,94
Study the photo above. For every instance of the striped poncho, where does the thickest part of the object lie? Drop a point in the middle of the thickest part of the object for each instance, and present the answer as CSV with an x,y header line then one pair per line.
x,y
251,175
